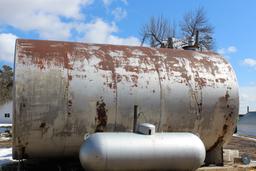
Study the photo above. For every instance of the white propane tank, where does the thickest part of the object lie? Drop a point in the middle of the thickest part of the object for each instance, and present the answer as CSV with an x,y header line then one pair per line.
x,y
133,151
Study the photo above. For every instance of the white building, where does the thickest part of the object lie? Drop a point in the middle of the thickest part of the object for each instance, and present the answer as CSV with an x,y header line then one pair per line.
x,y
247,124
6,113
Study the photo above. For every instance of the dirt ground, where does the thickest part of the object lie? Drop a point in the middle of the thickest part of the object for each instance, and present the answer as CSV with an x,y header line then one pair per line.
x,y
245,145
5,140
5,144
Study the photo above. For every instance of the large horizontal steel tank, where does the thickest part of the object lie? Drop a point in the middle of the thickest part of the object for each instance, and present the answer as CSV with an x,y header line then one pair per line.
x,y
65,90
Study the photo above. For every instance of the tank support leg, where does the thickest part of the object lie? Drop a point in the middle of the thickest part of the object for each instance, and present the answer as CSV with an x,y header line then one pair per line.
x,y
215,156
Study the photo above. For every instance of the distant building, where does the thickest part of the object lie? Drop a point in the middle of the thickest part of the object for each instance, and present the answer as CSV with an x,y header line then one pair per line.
x,y
6,113
247,124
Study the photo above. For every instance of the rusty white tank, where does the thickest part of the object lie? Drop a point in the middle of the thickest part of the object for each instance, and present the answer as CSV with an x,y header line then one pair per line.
x,y
63,90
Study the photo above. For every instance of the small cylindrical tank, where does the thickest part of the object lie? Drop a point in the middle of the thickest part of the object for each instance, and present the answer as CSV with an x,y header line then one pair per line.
x,y
131,151
63,90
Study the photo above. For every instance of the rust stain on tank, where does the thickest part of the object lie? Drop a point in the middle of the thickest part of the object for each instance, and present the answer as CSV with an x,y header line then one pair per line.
x,y
107,63
118,78
101,118
47,53
69,77
42,125
43,53
220,139
134,79
131,69
43,128
228,119
201,82
222,80
69,106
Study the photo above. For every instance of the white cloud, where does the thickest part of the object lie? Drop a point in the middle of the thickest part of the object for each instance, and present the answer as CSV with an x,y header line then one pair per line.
x,y
43,16
247,98
250,62
119,13
57,19
125,2
7,46
65,8
132,41
100,31
107,2
231,49
228,50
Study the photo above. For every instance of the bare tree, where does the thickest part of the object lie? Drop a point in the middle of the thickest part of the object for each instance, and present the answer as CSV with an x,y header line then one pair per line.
x,y
194,21
6,84
156,32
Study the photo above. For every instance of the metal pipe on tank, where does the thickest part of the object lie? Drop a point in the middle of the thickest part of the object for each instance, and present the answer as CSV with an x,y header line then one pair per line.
x,y
135,118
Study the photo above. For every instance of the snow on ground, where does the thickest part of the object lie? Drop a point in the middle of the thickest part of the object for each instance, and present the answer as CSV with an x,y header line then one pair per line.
x,y
5,155
5,125
2,138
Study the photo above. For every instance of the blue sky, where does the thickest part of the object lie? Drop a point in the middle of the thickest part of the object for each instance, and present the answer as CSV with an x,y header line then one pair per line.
x,y
119,22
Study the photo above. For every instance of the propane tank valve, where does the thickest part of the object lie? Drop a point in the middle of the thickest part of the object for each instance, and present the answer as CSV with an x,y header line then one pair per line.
x,y
146,129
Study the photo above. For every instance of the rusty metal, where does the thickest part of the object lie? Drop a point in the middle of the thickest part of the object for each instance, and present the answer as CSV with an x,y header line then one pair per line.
x,y
101,119
64,90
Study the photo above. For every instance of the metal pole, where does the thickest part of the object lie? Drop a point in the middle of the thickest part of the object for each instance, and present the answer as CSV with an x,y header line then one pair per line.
x,y
135,117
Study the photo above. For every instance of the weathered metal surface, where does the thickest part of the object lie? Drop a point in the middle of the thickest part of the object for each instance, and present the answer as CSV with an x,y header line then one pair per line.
x,y
64,90
132,152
